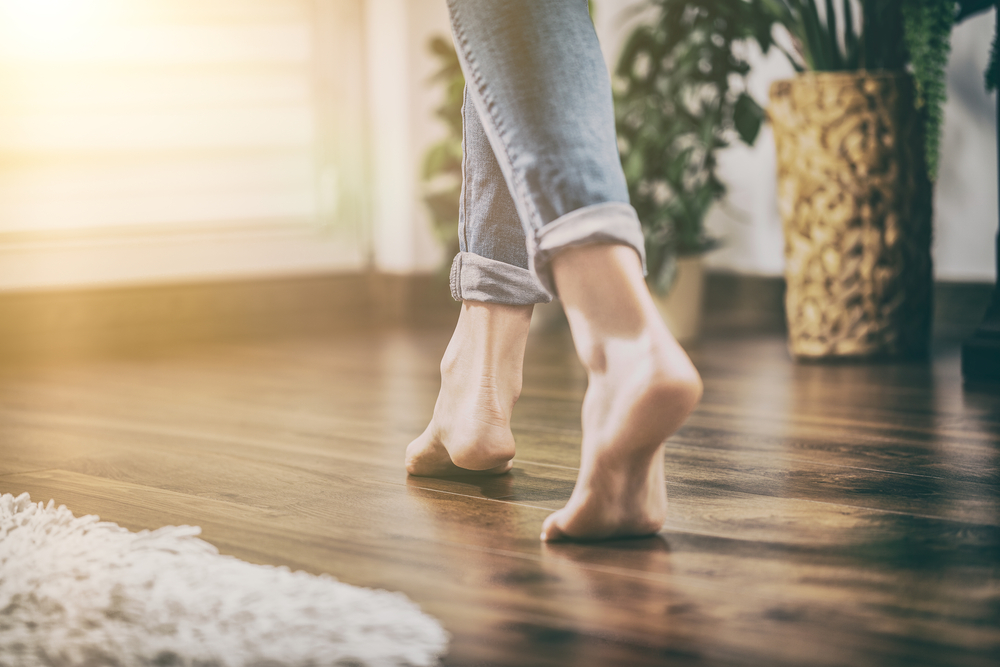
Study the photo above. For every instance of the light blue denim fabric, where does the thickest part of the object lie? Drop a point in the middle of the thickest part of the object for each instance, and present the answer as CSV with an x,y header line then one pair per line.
x,y
541,170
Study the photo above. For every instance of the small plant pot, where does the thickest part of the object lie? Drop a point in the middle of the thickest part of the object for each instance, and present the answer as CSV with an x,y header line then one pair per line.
x,y
682,306
855,203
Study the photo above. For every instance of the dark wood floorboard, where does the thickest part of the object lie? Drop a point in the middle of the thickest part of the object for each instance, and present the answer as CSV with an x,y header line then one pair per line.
x,y
820,514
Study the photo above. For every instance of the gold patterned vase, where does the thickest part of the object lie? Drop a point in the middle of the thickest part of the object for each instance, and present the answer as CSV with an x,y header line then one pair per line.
x,y
855,203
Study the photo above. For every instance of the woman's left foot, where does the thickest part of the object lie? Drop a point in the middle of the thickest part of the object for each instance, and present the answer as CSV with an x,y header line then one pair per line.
x,y
481,372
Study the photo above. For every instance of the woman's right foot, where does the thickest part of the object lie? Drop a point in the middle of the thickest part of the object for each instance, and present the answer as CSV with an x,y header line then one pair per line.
x,y
481,373
641,388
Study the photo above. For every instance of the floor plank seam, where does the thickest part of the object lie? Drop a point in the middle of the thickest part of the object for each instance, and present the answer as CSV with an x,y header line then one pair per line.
x,y
861,508
27,472
546,465
839,421
797,498
694,447
670,446
463,495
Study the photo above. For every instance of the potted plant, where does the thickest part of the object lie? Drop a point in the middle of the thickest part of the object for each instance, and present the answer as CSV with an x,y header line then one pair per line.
x,y
856,137
680,97
857,134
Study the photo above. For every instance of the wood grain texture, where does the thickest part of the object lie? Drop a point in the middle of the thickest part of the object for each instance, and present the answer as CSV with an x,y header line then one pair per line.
x,y
820,514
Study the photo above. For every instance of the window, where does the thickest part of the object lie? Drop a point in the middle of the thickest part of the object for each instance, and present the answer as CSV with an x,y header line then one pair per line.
x,y
149,140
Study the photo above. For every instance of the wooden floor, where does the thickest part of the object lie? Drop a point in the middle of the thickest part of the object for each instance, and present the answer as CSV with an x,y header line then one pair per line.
x,y
820,514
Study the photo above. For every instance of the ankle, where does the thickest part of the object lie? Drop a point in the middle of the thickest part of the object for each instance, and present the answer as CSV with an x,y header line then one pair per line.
x,y
489,330
603,291
487,350
497,316
653,364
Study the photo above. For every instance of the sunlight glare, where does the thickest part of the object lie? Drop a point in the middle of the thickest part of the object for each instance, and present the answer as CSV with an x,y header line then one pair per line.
x,y
45,30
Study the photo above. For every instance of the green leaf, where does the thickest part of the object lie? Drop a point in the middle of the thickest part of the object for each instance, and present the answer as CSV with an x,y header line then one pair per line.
x,y
442,164
993,69
634,166
638,42
927,28
676,110
748,116
444,157
664,277
816,44
850,37
836,62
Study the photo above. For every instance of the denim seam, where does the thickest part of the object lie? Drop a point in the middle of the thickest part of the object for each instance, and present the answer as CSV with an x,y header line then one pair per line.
x,y
454,279
498,130
463,221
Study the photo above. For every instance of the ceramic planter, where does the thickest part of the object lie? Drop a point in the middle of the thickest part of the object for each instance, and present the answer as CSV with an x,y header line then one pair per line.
x,y
681,307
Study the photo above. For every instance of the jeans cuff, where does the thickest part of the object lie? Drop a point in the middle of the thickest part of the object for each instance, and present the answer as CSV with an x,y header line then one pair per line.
x,y
611,223
478,278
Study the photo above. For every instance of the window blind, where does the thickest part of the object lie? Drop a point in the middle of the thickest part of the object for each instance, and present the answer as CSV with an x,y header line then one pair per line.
x,y
122,119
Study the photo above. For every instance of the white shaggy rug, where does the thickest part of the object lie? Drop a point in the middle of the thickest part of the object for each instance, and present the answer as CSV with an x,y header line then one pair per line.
x,y
77,591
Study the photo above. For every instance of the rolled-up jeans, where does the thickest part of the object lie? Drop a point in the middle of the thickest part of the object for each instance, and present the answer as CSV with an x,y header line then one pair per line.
x,y
540,165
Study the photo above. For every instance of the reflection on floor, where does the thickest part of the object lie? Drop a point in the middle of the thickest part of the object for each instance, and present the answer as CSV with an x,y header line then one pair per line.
x,y
820,514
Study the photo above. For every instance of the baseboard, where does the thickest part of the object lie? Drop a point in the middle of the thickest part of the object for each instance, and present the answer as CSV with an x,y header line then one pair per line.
x,y
742,303
119,320
739,303
981,350
959,309
137,319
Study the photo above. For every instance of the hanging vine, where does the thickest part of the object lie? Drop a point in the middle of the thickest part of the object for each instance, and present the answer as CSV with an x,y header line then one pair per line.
x,y
927,33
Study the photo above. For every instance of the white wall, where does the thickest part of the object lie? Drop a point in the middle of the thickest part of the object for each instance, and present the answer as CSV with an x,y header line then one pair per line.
x,y
401,128
428,18
965,195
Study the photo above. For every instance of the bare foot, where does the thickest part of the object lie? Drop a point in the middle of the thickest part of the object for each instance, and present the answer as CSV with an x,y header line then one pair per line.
x,y
480,382
641,388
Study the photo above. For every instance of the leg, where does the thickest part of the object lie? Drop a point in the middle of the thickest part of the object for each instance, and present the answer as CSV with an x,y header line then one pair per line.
x,y
535,73
481,369
539,83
